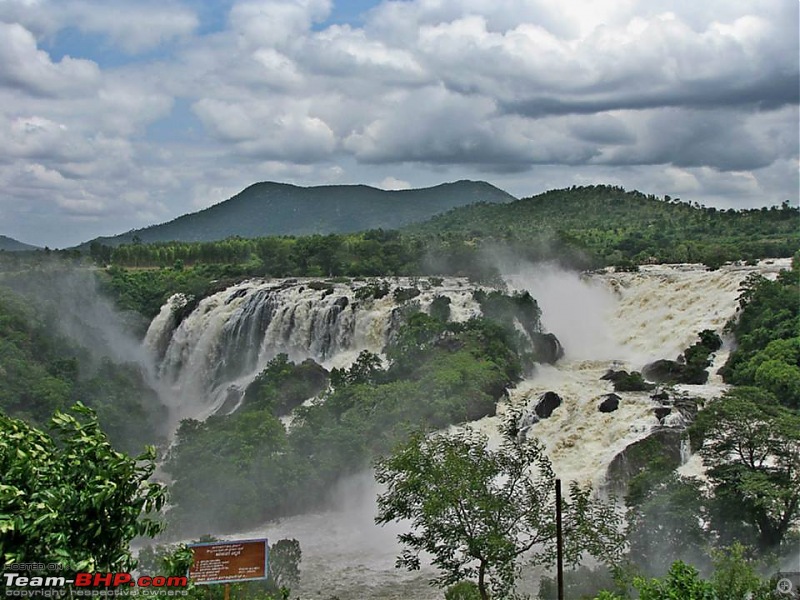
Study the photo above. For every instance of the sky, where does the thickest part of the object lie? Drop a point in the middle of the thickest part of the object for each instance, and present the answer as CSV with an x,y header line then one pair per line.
x,y
119,114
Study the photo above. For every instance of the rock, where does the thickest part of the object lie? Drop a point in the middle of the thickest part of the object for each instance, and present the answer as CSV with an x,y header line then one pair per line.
x,y
687,407
661,412
660,396
612,375
610,404
627,382
670,371
664,444
547,348
663,371
548,402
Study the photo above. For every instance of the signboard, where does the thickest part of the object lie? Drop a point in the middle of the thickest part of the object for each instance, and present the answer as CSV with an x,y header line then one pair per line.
x,y
229,562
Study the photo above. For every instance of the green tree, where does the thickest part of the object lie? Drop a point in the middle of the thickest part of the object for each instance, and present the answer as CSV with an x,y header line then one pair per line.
x,y
73,500
750,446
481,512
735,577
683,582
284,564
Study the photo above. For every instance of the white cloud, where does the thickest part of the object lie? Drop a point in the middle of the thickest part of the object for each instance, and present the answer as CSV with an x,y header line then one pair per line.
x,y
670,96
275,23
392,183
131,26
23,66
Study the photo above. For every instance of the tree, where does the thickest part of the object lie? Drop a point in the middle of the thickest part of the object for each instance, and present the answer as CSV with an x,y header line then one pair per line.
x,y
682,582
751,448
480,512
284,564
73,500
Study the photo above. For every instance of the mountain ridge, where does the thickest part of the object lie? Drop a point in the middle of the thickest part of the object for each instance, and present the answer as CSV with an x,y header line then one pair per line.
x,y
273,208
9,244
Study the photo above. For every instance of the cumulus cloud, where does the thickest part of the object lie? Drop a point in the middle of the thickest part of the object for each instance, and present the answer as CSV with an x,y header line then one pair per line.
x,y
23,66
677,97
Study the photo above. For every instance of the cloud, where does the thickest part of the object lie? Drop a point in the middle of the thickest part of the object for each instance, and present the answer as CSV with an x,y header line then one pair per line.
x,y
164,114
26,68
133,27
392,183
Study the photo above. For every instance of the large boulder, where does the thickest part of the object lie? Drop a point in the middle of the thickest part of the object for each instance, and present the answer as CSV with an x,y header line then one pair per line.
x,y
661,444
543,408
548,402
662,412
663,371
609,404
627,382
671,372
547,348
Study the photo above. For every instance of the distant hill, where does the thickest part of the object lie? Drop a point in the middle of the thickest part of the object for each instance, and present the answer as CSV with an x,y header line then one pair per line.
x,y
613,225
11,245
266,209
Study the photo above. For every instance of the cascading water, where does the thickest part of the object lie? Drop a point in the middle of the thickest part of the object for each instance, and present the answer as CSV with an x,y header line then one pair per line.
x,y
604,320
230,337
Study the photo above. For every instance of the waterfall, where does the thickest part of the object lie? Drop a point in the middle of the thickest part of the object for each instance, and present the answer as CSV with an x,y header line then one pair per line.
x,y
231,336
604,320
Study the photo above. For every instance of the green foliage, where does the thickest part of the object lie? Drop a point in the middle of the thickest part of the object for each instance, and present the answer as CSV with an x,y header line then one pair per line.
x,y
284,564
73,499
440,308
735,577
282,385
665,521
479,512
374,289
751,448
237,462
582,582
438,374
463,590
631,382
604,225
42,372
683,582
768,336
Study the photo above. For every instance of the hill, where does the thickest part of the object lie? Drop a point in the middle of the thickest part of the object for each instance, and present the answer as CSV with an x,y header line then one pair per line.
x,y
268,209
11,245
612,225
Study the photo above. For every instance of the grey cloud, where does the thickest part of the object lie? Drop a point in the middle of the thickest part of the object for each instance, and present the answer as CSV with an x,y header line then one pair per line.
x,y
435,126
724,140
602,129
761,94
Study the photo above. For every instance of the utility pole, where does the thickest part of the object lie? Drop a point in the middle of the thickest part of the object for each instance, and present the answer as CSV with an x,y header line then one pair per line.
x,y
559,543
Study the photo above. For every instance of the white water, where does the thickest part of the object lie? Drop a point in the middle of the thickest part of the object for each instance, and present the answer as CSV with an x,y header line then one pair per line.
x,y
604,320
231,336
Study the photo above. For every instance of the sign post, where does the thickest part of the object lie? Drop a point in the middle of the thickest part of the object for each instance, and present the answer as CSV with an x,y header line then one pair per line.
x,y
229,562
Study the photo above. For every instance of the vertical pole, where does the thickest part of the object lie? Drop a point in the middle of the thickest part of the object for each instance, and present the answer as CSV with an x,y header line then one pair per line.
x,y
559,543
227,591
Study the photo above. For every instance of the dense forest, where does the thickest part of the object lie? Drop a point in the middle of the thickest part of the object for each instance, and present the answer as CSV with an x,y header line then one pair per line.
x,y
585,227
728,530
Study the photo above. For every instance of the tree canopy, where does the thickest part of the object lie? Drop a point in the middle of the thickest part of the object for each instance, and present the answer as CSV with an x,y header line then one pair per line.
x,y
750,446
480,512
72,499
